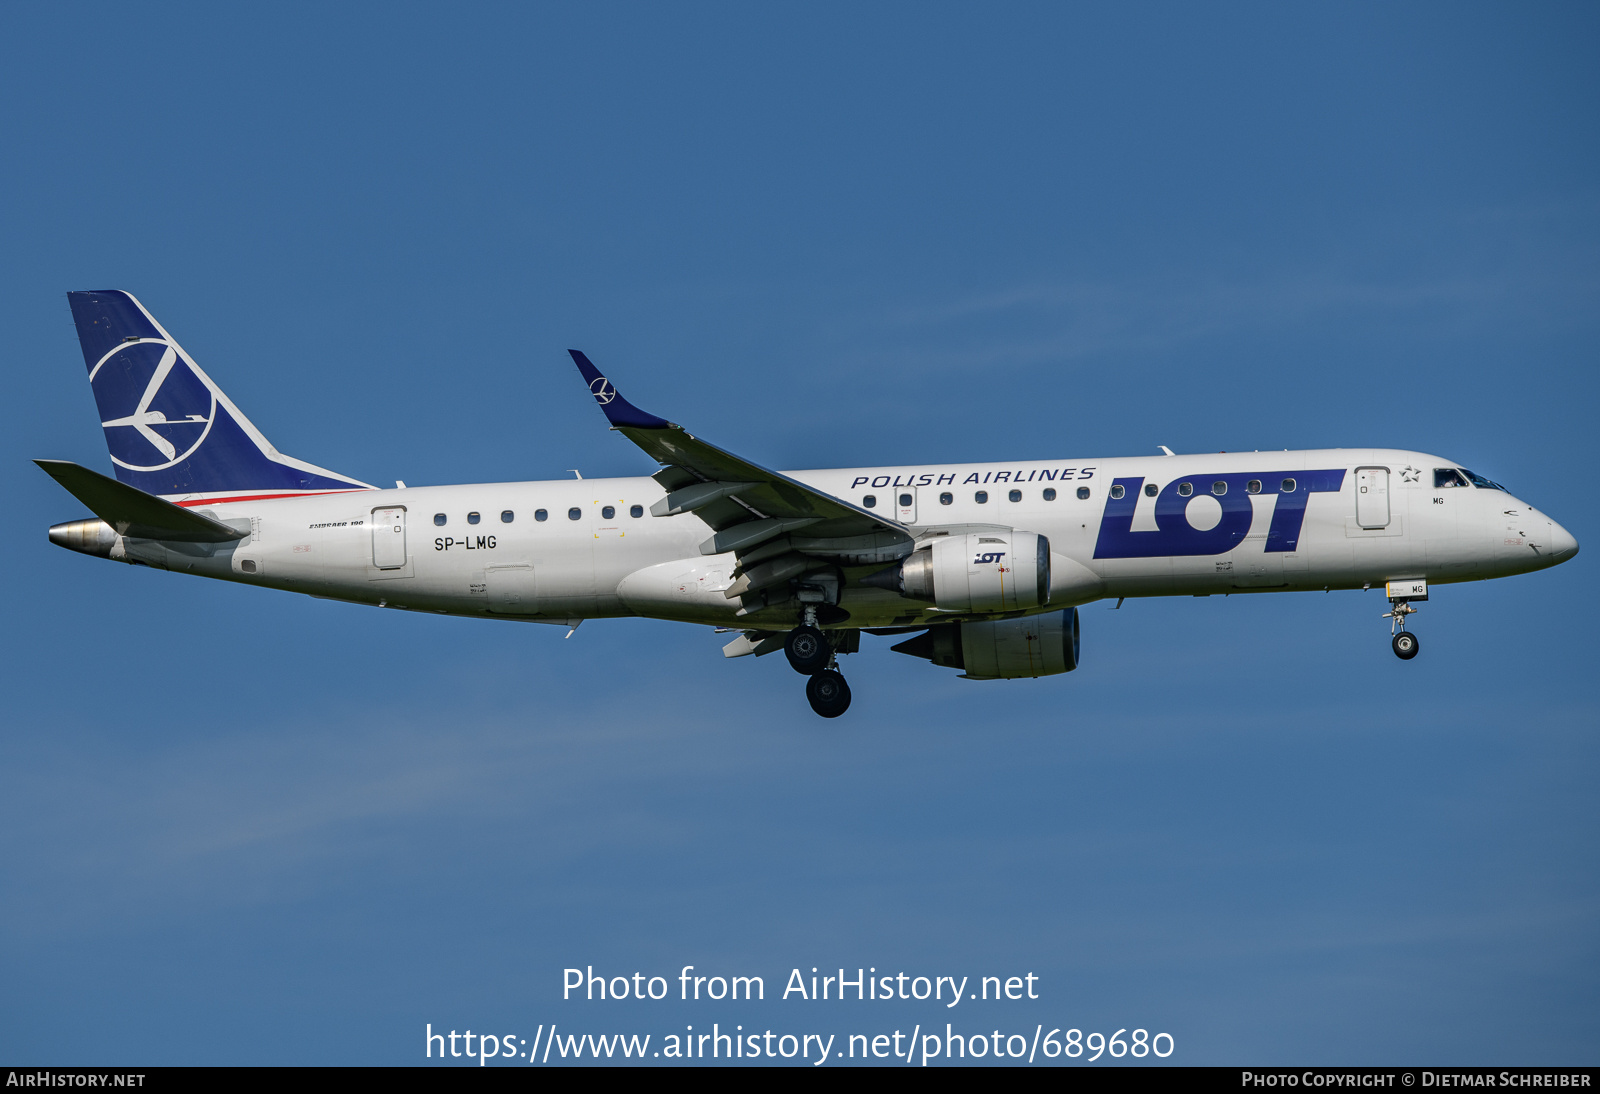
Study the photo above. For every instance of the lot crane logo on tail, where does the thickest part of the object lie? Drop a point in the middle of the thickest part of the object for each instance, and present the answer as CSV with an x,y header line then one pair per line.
x,y
167,409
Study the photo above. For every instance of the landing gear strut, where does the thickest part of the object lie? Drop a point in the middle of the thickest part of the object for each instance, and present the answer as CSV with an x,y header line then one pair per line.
x,y
1404,642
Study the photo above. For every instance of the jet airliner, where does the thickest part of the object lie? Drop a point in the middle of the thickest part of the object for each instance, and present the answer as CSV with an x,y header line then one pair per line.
x,y
974,567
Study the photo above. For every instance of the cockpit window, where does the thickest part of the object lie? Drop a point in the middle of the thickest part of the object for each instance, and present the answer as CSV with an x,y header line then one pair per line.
x,y
1482,483
1447,476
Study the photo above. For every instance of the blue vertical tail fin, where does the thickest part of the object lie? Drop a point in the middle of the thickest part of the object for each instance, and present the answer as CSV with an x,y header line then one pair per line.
x,y
170,429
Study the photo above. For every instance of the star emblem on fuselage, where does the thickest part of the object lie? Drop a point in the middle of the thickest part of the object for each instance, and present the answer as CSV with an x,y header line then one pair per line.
x,y
1410,474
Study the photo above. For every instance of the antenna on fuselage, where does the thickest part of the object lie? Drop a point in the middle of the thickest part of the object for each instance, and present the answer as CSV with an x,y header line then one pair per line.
x,y
1165,450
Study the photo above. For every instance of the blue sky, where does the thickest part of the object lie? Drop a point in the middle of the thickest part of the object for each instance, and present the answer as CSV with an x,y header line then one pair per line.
x,y
245,826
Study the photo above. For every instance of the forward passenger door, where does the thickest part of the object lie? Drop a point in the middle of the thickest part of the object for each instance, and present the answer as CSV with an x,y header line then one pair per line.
x,y
1372,497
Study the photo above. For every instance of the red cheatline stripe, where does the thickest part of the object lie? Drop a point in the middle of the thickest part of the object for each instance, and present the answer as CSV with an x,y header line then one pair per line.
x,y
261,497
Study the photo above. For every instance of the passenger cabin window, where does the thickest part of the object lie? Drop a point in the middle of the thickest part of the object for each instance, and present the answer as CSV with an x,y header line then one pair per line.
x,y
574,513
636,511
1015,495
1480,482
507,516
1253,486
1117,491
541,514
981,497
1220,487
1083,493
1445,477
1287,486
905,500
1049,493
473,518
946,498
1151,489
438,520
609,512
1185,489
870,501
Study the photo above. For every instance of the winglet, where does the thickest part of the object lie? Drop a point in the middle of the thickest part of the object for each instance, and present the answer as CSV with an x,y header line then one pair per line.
x,y
618,410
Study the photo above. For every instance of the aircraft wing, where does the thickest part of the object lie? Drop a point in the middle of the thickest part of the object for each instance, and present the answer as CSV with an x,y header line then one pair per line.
x,y
778,527
132,512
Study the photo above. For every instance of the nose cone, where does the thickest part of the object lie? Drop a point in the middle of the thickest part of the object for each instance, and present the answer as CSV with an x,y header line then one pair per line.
x,y
1563,545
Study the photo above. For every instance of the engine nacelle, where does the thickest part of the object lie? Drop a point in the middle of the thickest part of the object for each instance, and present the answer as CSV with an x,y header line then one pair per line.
x,y
1010,649
983,572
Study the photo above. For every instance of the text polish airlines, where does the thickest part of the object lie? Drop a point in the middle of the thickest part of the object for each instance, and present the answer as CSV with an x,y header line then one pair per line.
x,y
983,566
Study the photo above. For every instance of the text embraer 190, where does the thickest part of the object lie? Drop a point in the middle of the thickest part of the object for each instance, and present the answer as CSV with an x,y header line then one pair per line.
x,y
983,564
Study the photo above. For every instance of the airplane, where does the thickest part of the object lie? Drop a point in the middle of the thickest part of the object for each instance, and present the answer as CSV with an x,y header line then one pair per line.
x,y
976,567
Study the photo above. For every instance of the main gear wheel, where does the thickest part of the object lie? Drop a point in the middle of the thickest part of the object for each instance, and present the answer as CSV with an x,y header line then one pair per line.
x,y
807,649
828,693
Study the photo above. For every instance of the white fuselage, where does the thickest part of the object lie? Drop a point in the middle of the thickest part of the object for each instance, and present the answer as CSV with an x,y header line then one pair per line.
x,y
591,557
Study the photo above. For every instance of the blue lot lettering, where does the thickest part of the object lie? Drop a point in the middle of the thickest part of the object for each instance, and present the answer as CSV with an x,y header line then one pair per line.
x,y
988,556
1174,535
471,543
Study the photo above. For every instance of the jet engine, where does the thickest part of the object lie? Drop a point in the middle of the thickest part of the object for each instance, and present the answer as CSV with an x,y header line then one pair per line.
x,y
983,572
1010,649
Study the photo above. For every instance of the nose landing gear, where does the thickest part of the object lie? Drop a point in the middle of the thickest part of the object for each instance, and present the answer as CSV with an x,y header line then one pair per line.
x,y
1404,642
1400,594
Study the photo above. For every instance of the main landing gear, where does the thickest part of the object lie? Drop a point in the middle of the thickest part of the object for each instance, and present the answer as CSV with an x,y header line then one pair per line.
x,y
810,654
807,649
1403,641
828,694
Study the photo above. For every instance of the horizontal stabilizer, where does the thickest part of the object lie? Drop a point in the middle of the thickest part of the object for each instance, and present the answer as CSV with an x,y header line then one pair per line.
x,y
132,512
